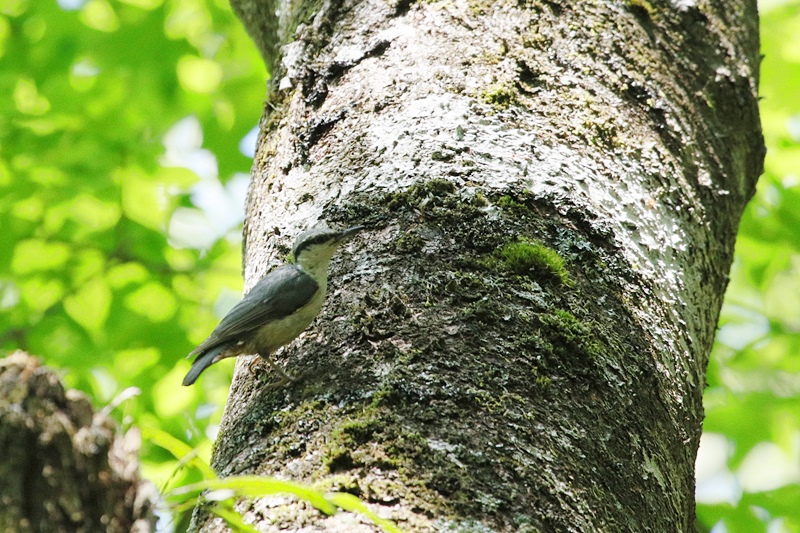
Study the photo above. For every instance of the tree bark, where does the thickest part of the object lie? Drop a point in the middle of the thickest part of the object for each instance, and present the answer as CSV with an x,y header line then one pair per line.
x,y
63,467
553,190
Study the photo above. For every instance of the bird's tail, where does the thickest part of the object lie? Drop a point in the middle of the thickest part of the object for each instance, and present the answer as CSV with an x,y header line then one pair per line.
x,y
203,361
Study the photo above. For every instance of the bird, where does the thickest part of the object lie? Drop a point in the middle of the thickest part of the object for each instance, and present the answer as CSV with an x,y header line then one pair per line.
x,y
278,308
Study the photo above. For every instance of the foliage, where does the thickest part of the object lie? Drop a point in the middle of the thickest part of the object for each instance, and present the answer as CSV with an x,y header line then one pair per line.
x,y
111,112
749,463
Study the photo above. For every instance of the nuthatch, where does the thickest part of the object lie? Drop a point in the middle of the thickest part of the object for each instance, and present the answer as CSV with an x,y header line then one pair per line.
x,y
278,308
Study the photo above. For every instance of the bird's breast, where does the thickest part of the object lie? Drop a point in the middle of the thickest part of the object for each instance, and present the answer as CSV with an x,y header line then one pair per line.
x,y
277,333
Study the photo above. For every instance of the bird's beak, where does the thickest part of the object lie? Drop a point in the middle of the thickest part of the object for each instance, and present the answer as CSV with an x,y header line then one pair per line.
x,y
349,233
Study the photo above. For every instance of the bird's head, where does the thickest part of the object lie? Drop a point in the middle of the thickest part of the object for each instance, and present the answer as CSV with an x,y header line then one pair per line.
x,y
314,248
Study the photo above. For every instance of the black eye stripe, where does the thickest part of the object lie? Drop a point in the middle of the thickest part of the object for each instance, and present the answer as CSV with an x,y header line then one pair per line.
x,y
316,240
320,239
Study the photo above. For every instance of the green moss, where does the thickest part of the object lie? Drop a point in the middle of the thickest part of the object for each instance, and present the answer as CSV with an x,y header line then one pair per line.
x,y
433,200
408,444
568,335
410,243
517,204
465,286
498,95
477,7
523,257
642,5
485,310
535,40
507,202
434,189
339,483
358,430
353,442
345,441
535,260
443,155
535,345
599,132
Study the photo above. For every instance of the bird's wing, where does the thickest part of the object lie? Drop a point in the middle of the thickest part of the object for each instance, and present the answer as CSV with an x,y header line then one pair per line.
x,y
278,294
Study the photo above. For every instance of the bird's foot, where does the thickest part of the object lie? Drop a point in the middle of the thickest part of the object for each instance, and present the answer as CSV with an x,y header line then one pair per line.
x,y
252,366
284,378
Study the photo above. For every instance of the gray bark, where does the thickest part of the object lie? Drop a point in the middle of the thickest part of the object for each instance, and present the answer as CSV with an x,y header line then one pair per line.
x,y
457,380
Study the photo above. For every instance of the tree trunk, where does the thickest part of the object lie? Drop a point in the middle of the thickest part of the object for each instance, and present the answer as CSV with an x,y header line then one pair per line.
x,y
65,468
552,188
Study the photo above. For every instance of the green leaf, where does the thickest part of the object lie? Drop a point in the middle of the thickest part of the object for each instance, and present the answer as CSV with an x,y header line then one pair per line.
x,y
35,255
351,503
153,301
254,487
89,306
233,518
179,449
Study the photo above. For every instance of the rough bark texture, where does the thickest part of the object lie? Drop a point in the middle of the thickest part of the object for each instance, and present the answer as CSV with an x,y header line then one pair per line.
x,y
553,189
63,467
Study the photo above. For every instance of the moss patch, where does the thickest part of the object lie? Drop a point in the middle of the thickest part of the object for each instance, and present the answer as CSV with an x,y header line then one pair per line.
x,y
535,260
498,95
344,445
509,203
431,191
410,243
570,337
643,5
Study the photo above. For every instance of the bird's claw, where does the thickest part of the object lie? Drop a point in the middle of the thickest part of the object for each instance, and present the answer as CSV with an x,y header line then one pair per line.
x,y
252,366
285,379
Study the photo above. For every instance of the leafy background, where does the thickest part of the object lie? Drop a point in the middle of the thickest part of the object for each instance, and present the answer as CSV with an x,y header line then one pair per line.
x,y
748,468
125,128
126,131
